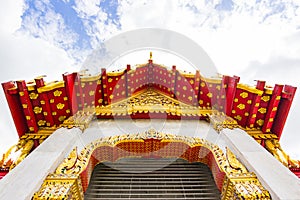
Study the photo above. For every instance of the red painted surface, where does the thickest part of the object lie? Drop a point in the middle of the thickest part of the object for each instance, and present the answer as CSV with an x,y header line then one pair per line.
x,y
15,106
3,173
283,109
296,171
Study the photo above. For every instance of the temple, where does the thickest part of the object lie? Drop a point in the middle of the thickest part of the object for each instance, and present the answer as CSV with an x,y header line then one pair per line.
x,y
68,129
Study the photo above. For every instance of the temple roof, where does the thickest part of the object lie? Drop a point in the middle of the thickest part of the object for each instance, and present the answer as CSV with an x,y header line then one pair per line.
x,y
149,88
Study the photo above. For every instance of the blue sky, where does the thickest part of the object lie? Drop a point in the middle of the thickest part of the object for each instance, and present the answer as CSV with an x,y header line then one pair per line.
x,y
253,39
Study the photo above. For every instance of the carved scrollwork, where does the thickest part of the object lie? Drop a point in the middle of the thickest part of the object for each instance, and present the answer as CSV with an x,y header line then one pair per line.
x,y
151,101
238,181
274,147
81,119
235,164
221,121
71,165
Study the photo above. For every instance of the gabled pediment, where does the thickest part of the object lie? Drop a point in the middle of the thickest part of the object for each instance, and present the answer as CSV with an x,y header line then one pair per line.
x,y
152,101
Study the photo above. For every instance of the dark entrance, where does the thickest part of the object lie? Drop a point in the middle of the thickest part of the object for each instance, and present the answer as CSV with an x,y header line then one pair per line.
x,y
149,179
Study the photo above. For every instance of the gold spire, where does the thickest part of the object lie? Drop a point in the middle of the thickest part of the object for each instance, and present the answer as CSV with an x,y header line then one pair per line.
x,y
150,55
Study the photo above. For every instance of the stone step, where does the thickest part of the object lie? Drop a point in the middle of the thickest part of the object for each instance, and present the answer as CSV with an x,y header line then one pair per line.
x,y
154,196
151,179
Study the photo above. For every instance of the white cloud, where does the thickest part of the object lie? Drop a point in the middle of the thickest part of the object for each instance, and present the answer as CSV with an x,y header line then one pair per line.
x,y
97,24
10,15
48,25
24,57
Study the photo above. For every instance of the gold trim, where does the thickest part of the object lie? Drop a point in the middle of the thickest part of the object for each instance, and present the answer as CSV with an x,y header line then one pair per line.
x,y
90,78
117,73
268,91
151,101
51,86
212,80
249,89
30,87
187,74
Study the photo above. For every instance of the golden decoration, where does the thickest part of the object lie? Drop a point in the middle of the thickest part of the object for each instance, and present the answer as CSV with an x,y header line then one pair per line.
x,y
28,117
262,110
260,122
60,187
241,106
238,117
236,100
60,106
184,87
214,80
92,93
110,80
278,98
209,95
221,121
21,94
51,86
24,105
243,186
234,162
88,78
61,118
249,89
81,119
41,122
244,95
20,152
51,100
265,98
151,101
33,95
57,93
249,102
37,110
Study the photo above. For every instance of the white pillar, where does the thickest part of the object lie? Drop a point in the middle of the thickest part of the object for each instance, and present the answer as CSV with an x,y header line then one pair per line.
x,y
274,176
27,177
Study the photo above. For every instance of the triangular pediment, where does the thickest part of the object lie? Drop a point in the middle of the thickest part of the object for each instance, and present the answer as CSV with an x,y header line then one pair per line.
x,y
153,101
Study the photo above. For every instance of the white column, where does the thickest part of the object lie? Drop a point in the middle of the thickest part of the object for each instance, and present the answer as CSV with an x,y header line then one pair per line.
x,y
274,176
27,177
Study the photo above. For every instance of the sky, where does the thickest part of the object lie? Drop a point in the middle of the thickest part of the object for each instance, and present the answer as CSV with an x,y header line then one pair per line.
x,y
254,39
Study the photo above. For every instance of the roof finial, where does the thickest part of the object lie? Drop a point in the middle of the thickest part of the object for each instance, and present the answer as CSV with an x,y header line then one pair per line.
x,y
150,55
